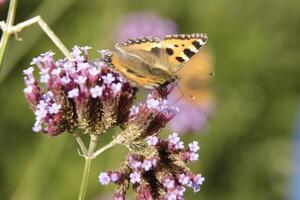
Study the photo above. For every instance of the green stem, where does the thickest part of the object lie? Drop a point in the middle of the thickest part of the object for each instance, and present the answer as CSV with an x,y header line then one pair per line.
x,y
93,143
81,145
104,148
6,34
54,38
85,177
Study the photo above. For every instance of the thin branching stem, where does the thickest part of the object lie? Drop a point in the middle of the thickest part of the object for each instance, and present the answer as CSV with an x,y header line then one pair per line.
x,y
104,148
44,26
88,159
6,33
8,29
54,38
81,145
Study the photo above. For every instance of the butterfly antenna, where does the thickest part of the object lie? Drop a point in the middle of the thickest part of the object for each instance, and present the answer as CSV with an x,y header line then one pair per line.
x,y
200,74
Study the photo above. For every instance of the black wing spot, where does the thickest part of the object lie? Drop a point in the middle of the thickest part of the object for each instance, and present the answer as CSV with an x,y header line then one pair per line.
x,y
175,45
169,51
188,52
180,59
182,45
196,44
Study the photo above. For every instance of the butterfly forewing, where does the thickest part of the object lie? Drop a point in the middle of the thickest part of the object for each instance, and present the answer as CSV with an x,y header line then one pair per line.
x,y
143,43
180,48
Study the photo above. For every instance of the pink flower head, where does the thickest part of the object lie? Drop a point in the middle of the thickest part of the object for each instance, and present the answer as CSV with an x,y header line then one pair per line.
x,y
81,91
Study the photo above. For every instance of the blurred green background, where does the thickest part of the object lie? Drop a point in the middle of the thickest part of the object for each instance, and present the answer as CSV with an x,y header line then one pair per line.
x,y
246,152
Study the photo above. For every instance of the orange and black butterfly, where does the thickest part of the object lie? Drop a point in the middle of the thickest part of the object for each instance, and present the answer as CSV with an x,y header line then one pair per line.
x,y
149,62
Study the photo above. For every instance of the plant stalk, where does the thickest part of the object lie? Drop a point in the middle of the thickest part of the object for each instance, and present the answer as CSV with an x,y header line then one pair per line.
x,y
87,166
6,33
104,148
81,145
54,38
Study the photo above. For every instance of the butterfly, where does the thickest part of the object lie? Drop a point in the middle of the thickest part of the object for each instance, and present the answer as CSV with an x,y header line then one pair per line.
x,y
149,62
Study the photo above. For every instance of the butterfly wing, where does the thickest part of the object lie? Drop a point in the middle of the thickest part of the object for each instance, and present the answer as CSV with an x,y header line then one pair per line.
x,y
136,59
178,49
196,77
135,70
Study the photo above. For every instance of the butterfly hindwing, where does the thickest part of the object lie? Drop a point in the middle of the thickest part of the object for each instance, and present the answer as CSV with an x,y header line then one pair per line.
x,y
135,60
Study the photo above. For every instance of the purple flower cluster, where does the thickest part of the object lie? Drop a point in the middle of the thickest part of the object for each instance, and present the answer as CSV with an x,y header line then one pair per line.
x,y
156,168
150,117
92,96
157,172
81,93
